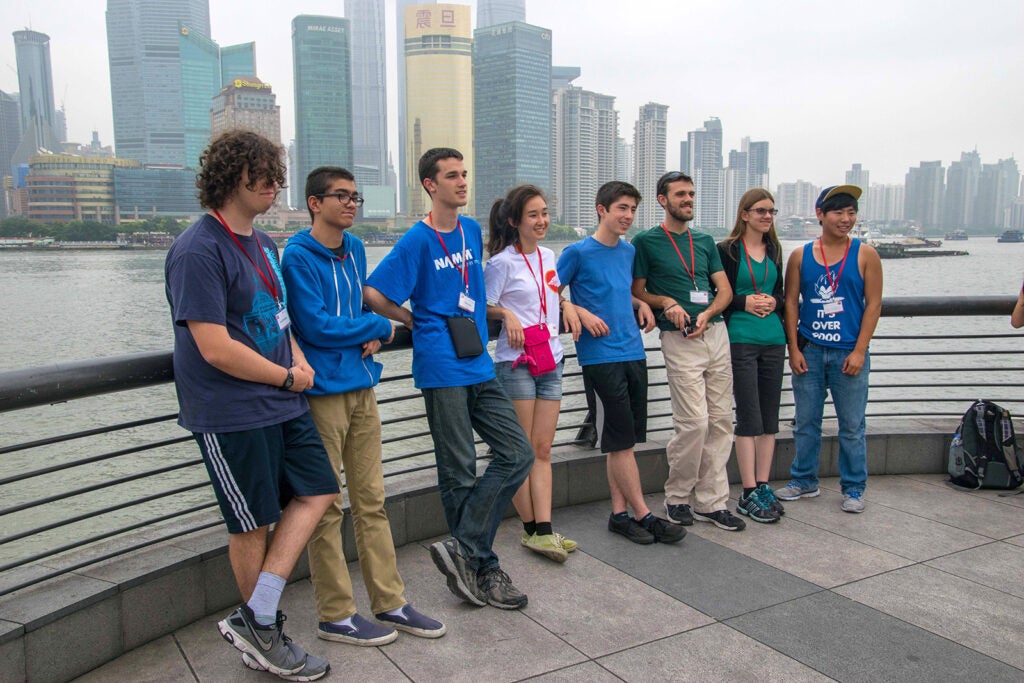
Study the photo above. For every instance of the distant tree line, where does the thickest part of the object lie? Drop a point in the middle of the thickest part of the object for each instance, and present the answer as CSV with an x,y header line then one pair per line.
x,y
85,231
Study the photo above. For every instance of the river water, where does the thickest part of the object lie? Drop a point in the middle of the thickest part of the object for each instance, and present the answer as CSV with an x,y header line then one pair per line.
x,y
61,306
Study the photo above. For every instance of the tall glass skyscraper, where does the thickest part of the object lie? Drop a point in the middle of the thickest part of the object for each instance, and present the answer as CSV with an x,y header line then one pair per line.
x,y
369,92
35,81
321,58
650,142
511,124
492,12
237,61
144,50
705,146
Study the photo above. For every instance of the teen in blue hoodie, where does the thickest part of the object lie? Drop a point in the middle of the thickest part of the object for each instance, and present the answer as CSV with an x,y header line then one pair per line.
x,y
324,269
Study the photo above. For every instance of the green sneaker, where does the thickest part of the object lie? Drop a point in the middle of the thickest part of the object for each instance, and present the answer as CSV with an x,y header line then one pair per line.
x,y
548,546
567,543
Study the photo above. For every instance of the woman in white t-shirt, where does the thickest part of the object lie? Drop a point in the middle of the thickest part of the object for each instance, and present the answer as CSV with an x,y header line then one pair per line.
x,y
522,292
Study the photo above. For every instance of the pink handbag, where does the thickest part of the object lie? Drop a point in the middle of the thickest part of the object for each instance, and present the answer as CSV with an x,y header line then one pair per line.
x,y
536,350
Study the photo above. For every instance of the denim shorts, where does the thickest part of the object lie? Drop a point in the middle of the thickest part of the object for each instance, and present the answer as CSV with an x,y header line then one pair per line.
x,y
520,385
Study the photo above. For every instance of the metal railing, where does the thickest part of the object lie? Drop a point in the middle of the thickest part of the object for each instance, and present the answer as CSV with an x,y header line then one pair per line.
x,y
98,467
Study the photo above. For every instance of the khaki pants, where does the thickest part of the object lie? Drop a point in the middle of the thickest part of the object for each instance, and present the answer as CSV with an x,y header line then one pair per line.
x,y
349,425
700,382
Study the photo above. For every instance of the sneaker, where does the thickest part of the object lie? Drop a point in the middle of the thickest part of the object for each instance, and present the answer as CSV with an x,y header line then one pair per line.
x,y
631,529
567,543
461,577
679,514
765,493
548,546
499,590
794,491
664,532
315,668
360,632
413,622
757,509
265,644
723,519
852,502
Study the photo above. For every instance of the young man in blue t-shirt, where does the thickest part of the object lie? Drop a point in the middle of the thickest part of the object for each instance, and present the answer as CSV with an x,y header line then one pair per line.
x,y
437,267
599,273
239,376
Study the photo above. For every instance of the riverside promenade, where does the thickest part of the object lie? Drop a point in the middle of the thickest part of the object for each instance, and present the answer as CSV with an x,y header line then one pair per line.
x,y
926,585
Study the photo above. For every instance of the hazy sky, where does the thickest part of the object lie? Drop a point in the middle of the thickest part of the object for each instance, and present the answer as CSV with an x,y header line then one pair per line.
x,y
886,84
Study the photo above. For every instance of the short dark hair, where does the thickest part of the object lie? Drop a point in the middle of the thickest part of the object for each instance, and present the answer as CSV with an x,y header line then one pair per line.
x,y
428,162
221,165
319,181
608,193
669,178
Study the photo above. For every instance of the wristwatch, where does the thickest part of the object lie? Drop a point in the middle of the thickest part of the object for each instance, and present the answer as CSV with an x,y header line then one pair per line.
x,y
289,380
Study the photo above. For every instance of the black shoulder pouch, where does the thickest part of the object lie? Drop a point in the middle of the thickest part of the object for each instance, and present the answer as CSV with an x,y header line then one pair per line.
x,y
465,336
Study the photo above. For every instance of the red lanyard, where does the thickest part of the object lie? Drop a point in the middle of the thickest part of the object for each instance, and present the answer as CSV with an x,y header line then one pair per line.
x,y
464,269
269,283
539,281
693,261
834,284
751,268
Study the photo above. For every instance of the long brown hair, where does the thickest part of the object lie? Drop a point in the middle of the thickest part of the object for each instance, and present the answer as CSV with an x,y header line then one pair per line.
x,y
505,216
749,198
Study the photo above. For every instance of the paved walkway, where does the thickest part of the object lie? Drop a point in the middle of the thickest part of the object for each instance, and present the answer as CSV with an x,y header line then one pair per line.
x,y
926,585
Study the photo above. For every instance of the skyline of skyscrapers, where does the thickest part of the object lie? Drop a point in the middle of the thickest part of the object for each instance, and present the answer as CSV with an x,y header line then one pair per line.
x,y
512,126
321,54
438,110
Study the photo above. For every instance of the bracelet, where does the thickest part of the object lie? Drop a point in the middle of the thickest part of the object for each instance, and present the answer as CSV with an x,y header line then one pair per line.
x,y
669,308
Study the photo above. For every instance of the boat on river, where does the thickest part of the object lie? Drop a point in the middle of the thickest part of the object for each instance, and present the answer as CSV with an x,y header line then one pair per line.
x,y
957,236
1011,236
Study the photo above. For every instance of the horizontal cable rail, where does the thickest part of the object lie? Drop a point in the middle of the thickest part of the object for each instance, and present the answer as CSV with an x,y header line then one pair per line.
x,y
82,496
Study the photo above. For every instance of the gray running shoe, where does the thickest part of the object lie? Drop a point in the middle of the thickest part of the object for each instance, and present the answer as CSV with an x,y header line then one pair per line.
x,y
462,579
852,502
499,590
794,491
314,670
265,644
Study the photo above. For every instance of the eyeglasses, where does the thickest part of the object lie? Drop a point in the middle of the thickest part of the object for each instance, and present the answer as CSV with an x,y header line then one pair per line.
x,y
345,197
760,211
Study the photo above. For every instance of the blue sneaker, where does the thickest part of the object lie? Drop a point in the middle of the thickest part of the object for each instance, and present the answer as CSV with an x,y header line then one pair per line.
x,y
361,632
411,621
765,493
794,491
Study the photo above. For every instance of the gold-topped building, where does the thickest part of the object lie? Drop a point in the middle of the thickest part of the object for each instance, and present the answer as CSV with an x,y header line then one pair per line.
x,y
438,91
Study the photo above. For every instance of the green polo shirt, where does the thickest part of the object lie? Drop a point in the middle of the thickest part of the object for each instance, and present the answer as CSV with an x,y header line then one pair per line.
x,y
658,262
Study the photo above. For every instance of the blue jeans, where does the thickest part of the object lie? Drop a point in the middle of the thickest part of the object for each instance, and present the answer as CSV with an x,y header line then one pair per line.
x,y
472,508
850,397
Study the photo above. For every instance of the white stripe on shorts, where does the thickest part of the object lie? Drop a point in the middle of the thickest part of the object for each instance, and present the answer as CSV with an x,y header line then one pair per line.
x,y
236,499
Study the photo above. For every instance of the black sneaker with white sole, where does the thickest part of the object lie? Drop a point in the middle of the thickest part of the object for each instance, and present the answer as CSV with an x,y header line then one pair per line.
x,y
678,514
723,519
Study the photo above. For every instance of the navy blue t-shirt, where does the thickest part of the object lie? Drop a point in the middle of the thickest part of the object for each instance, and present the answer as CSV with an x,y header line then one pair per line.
x,y
209,279
421,271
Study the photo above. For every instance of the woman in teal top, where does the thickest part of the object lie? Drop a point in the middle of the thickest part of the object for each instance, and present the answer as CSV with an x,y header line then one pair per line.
x,y
752,260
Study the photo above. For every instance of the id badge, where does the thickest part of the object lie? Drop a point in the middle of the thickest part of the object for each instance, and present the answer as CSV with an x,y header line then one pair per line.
x,y
283,321
553,329
698,297
832,307
466,302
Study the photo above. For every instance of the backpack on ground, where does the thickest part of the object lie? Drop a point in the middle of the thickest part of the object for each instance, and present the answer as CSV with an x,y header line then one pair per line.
x,y
984,451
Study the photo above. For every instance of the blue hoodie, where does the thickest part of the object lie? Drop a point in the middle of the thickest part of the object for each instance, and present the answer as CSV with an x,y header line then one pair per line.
x,y
325,304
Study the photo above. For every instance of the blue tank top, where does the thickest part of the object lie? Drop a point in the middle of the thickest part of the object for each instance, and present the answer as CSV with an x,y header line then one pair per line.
x,y
838,330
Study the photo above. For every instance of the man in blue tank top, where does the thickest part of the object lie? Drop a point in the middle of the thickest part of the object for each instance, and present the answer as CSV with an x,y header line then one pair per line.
x,y
833,301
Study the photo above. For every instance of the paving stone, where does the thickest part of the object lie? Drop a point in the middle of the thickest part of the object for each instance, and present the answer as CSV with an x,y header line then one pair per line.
x,y
12,654
956,608
797,548
982,516
707,576
157,662
588,672
894,531
567,600
996,565
712,653
1016,540
848,641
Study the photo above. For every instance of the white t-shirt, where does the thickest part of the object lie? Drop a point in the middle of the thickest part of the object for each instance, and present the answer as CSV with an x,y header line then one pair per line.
x,y
511,285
